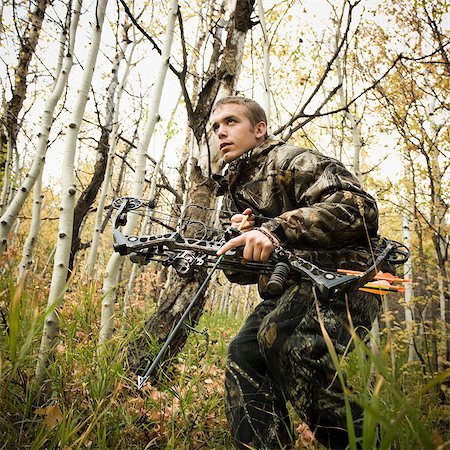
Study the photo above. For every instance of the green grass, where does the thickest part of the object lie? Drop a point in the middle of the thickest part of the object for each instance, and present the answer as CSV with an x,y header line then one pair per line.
x,y
95,403
397,409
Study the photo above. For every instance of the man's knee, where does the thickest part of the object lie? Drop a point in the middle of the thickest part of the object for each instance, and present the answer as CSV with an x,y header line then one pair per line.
x,y
243,349
234,352
276,347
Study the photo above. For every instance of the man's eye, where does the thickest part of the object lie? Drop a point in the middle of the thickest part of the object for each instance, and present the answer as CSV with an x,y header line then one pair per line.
x,y
231,120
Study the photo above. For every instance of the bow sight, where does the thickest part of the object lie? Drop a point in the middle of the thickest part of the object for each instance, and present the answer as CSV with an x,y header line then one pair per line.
x,y
187,255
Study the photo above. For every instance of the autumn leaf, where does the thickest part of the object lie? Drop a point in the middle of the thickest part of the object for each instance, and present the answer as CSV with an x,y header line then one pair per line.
x,y
52,415
214,370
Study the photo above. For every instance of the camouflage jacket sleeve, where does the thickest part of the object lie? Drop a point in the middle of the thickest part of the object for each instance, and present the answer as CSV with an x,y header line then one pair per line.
x,y
333,209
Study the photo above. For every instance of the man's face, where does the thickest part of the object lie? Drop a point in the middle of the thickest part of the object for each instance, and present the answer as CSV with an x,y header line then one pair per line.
x,y
234,132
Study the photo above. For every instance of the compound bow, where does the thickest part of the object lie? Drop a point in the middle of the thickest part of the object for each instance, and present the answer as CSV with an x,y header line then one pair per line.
x,y
188,255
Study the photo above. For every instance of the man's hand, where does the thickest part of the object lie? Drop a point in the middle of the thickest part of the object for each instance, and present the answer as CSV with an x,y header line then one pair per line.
x,y
243,222
257,246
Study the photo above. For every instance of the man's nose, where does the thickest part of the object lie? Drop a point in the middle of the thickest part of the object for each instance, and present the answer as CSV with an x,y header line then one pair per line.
x,y
221,131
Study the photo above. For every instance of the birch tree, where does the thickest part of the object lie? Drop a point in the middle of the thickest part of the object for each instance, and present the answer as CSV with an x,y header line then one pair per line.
x,y
111,275
106,184
409,292
89,194
266,62
30,242
9,120
35,225
342,82
61,77
62,254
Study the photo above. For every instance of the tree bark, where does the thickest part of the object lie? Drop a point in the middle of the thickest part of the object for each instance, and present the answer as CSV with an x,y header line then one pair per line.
x,y
88,196
33,232
266,63
90,265
61,77
409,292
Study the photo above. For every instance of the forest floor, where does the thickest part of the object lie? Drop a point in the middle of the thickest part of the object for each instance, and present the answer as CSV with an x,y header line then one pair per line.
x,y
95,403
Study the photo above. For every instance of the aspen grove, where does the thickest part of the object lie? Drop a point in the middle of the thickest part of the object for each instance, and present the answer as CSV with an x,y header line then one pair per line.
x,y
108,101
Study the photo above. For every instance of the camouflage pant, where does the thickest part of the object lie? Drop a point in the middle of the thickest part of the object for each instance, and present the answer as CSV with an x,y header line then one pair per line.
x,y
280,355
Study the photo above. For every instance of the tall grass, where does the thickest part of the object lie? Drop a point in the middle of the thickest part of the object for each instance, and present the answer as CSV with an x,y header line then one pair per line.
x,y
95,403
396,413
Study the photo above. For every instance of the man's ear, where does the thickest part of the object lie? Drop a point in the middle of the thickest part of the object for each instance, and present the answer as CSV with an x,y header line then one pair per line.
x,y
261,129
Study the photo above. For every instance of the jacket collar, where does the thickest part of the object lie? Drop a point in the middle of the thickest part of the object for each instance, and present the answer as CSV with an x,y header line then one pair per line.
x,y
262,149
233,166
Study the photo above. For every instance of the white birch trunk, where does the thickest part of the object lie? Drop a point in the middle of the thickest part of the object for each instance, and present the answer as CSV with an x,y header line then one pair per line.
x,y
357,145
266,62
249,299
353,120
15,173
438,220
111,277
231,300
135,270
12,211
60,266
48,262
224,297
170,274
441,287
409,293
92,257
374,346
2,4
35,226
5,190
390,335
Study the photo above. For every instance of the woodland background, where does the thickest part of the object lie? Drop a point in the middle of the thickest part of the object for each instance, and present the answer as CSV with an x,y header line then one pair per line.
x,y
103,100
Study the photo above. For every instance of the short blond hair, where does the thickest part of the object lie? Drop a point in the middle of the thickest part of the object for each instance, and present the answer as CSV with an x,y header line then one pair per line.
x,y
253,110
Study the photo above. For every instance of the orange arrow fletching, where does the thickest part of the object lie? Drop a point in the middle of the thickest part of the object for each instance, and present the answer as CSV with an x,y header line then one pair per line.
x,y
373,291
379,276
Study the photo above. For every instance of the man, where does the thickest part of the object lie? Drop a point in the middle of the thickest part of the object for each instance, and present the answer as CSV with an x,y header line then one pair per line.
x,y
310,204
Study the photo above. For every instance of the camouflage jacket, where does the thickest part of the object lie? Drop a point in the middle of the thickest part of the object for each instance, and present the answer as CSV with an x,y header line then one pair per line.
x,y
311,202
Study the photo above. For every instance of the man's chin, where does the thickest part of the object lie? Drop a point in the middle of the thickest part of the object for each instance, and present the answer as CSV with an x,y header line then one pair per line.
x,y
232,155
228,157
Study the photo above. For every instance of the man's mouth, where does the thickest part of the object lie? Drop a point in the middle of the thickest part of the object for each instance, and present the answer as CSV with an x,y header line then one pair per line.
x,y
224,144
